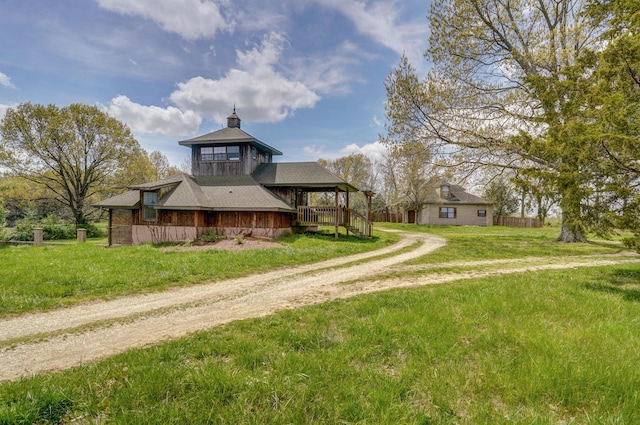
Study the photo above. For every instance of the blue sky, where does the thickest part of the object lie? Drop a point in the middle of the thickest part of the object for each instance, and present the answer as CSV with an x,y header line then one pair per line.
x,y
306,76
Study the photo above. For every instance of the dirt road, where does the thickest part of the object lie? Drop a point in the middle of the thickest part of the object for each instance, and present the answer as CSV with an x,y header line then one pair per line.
x,y
36,343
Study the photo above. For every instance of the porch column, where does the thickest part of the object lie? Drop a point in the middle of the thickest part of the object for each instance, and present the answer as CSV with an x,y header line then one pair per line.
x,y
348,215
337,218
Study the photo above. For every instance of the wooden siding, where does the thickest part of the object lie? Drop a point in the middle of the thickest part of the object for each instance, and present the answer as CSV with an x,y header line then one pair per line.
x,y
120,227
287,194
248,219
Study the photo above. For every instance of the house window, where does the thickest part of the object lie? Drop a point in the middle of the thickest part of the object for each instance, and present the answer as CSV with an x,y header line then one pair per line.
x,y
254,153
482,213
149,202
206,154
444,191
447,212
225,153
233,153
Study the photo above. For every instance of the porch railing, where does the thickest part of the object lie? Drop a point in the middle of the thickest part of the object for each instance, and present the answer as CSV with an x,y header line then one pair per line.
x,y
332,216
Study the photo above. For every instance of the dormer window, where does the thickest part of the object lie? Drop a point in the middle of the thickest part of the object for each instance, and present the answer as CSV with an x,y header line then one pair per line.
x,y
149,202
444,191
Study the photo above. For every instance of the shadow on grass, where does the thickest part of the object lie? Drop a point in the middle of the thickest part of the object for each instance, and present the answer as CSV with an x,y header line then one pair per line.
x,y
620,281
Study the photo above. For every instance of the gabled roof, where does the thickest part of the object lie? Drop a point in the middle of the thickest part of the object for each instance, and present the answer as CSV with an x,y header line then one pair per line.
x,y
229,135
457,195
306,175
220,193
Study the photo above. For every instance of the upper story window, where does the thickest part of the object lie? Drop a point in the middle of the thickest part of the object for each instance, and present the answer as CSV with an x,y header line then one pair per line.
x,y
206,154
220,153
149,202
444,191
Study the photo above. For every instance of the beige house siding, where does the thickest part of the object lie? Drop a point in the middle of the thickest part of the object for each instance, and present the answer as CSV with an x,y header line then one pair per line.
x,y
466,215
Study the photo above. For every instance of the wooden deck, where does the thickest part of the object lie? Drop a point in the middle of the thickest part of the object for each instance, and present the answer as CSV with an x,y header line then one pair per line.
x,y
335,216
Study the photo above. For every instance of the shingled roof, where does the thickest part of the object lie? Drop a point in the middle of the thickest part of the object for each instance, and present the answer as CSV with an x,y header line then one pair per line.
x,y
457,195
220,193
228,135
308,175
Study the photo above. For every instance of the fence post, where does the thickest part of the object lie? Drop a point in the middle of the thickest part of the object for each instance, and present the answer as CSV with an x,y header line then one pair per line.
x,y
82,235
38,236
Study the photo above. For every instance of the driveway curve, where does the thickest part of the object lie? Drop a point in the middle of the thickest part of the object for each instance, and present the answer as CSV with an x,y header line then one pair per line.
x,y
41,342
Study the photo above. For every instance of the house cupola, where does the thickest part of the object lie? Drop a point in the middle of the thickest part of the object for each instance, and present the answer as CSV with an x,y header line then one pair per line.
x,y
233,120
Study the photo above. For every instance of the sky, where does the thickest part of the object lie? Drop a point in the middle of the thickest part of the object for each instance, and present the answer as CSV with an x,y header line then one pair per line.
x,y
306,76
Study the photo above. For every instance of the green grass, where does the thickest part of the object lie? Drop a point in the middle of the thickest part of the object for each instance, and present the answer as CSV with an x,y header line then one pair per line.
x,y
40,278
467,243
546,348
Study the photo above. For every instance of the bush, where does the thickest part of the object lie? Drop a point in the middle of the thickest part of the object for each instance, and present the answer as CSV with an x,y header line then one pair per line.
x,y
53,229
93,231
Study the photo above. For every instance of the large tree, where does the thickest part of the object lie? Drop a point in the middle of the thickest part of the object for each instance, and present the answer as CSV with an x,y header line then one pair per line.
x,y
512,84
74,151
356,169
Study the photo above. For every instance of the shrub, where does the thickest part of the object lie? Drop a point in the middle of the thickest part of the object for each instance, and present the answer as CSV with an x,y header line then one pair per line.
x,y
93,231
54,228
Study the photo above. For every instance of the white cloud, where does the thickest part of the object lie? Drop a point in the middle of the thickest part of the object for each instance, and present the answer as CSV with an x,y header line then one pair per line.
x,y
375,150
191,19
330,73
381,22
260,92
169,121
6,81
312,151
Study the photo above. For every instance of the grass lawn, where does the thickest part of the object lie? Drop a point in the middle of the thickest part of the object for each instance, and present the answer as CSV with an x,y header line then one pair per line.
x,y
40,278
552,347
467,243
546,348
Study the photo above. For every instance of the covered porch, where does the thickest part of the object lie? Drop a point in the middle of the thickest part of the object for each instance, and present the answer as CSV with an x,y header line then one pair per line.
x,y
337,215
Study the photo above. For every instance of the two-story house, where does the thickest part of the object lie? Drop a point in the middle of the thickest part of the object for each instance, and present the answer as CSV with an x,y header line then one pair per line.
x,y
234,188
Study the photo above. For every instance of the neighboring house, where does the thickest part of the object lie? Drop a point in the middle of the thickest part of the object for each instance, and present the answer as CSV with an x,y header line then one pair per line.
x,y
450,204
235,189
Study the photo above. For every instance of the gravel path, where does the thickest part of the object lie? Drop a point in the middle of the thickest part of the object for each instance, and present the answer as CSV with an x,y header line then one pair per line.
x,y
40,342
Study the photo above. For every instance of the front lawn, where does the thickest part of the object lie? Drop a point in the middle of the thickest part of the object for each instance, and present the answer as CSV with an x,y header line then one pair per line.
x,y
40,278
555,347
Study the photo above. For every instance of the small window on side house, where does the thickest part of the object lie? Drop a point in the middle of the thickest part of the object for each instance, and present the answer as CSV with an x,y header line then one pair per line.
x,y
254,153
447,212
482,213
149,202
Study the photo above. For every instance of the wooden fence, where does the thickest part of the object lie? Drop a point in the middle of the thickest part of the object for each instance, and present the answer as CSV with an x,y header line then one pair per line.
x,y
527,222
388,217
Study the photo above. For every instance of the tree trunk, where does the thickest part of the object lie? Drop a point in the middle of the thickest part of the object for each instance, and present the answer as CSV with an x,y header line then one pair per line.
x,y
569,235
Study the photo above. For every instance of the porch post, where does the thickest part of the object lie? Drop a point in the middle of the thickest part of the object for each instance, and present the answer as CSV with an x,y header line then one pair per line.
x,y
337,218
348,216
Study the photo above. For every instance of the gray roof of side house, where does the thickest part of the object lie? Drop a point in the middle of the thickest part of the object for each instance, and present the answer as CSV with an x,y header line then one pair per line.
x,y
229,135
220,193
457,195
308,175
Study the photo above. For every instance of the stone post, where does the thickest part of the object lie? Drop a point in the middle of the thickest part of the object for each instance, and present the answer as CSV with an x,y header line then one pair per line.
x,y
82,235
38,236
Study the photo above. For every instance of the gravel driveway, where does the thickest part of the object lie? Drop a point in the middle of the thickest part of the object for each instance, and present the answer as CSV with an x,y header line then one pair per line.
x,y
41,342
